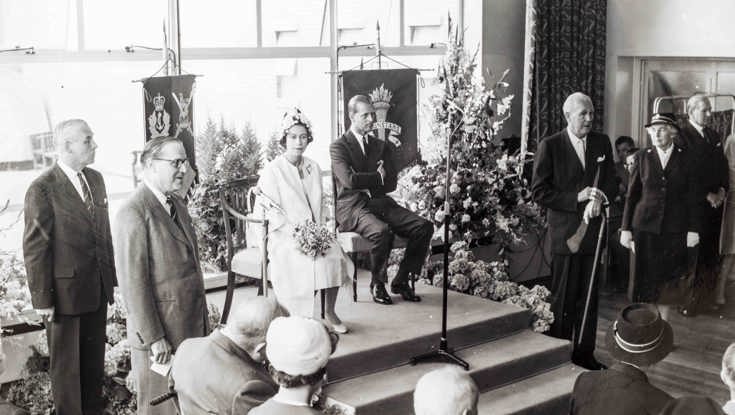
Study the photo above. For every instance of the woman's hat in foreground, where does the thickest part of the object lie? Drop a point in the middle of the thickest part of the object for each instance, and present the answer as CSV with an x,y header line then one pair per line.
x,y
639,335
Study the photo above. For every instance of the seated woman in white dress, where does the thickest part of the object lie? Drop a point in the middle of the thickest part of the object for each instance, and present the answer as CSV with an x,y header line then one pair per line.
x,y
294,183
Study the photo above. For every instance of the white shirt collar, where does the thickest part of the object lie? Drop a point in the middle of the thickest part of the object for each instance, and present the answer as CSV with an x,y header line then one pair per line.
x,y
72,176
699,128
573,136
157,193
665,152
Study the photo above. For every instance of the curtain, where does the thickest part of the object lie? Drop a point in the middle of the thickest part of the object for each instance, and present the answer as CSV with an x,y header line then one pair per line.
x,y
567,55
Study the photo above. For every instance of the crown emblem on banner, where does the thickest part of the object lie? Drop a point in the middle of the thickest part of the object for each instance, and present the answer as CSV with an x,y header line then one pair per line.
x,y
381,97
158,102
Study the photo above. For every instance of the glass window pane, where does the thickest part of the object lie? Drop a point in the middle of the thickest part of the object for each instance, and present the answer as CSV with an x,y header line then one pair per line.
x,y
113,24
34,97
357,21
43,24
258,91
225,23
296,23
426,20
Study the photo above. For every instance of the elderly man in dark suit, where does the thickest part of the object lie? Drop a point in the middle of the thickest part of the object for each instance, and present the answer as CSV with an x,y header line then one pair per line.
x,y
224,373
705,147
158,263
639,337
71,272
364,170
564,172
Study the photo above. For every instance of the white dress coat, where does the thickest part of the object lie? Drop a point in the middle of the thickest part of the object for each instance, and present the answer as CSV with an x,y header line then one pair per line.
x,y
294,275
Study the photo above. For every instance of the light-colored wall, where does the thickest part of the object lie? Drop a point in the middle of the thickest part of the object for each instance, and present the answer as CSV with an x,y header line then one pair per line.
x,y
498,27
659,28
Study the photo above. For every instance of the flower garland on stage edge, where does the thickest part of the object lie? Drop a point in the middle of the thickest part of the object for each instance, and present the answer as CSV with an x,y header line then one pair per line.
x,y
33,392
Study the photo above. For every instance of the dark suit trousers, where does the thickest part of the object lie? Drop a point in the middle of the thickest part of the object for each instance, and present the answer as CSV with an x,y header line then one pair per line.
x,y
708,258
379,222
77,350
569,285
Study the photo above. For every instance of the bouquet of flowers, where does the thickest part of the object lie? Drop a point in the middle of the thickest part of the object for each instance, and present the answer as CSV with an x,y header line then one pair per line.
x,y
313,239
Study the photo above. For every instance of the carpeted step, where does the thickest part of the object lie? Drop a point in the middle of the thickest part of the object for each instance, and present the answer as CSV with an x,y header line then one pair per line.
x,y
547,393
492,365
382,336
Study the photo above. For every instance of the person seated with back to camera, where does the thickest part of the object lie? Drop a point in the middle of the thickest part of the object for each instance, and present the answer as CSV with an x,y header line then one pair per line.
x,y
297,349
290,194
223,373
638,338
445,391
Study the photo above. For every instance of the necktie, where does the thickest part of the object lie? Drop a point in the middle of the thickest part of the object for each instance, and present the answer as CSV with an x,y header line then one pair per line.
x,y
172,209
364,144
87,194
583,146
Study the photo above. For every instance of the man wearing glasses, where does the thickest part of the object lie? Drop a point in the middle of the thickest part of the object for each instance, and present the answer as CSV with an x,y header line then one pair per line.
x,y
158,263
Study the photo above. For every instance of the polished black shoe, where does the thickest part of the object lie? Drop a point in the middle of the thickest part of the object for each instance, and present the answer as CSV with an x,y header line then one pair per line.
x,y
380,295
590,364
405,292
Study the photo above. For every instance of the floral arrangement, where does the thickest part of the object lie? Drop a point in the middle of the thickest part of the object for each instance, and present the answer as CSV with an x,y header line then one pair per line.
x,y
222,155
15,296
484,279
313,239
489,199
34,391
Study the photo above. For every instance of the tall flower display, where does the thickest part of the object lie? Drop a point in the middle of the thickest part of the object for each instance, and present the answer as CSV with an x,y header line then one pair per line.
x,y
489,199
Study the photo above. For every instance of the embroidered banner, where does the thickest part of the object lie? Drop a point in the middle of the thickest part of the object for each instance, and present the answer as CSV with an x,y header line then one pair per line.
x,y
169,110
394,96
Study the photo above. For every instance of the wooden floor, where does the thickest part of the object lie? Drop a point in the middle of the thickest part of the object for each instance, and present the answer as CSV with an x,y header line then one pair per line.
x,y
693,367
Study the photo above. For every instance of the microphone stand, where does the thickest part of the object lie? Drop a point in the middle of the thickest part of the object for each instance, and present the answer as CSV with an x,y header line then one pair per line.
x,y
444,353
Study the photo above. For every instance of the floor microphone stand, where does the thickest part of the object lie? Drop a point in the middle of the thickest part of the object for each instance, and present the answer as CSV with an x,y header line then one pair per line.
x,y
444,353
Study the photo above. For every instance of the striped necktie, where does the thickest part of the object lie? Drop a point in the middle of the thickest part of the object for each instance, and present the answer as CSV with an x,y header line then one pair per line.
x,y
87,194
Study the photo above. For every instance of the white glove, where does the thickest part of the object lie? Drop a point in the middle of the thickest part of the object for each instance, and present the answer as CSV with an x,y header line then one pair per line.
x,y
626,238
692,239
592,210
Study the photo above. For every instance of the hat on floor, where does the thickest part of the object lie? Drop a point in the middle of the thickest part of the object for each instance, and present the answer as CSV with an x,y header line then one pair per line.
x,y
297,345
663,118
690,405
639,335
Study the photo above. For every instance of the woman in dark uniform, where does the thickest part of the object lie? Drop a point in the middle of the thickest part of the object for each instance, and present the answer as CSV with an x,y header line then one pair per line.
x,y
660,216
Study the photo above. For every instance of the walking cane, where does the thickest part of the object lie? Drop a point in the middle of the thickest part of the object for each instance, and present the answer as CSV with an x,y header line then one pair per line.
x,y
598,248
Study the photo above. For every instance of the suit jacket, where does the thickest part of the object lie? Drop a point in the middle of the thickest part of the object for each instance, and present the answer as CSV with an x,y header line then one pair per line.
x,y
213,375
558,176
620,390
160,276
708,158
662,200
68,252
355,172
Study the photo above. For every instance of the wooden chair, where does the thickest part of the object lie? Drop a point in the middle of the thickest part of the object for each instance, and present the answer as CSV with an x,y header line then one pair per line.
x,y
236,200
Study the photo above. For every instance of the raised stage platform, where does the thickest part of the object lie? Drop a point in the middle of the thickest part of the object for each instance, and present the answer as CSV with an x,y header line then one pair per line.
x,y
518,371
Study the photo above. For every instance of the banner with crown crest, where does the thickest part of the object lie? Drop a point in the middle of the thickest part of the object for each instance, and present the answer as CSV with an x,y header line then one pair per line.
x,y
169,110
394,96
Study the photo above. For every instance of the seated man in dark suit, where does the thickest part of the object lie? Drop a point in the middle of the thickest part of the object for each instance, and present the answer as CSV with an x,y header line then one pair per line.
x,y
364,170
223,373
637,338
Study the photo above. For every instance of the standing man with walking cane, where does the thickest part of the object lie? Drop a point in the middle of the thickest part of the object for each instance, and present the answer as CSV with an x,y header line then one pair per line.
x,y
572,173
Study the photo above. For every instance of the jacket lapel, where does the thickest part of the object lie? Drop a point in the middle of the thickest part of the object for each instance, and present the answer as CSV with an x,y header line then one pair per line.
x,y
67,188
572,153
655,160
673,160
163,217
356,151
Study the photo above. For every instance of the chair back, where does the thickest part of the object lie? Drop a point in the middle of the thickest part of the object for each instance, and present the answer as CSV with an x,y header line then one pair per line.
x,y
236,200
